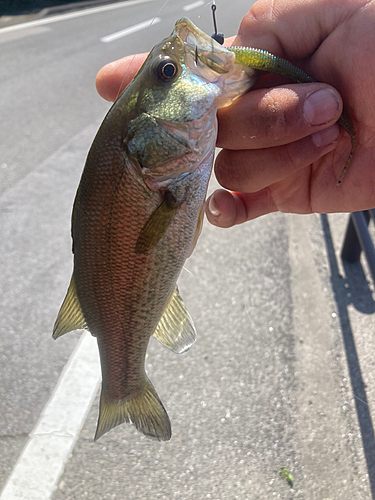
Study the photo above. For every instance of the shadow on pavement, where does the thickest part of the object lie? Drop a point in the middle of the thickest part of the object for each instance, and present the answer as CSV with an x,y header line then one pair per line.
x,y
359,296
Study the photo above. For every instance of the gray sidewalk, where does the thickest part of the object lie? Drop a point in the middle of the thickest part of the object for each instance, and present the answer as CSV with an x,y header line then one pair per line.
x,y
282,373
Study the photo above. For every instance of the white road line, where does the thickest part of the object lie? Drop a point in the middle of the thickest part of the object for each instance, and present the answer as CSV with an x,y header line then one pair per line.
x,y
17,35
42,461
131,29
192,6
71,15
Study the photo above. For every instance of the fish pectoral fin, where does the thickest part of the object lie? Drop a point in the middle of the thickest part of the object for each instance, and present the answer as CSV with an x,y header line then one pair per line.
x,y
145,411
158,223
176,329
70,316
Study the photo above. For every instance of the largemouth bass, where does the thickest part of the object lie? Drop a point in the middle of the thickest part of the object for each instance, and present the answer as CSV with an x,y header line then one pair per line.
x,y
138,213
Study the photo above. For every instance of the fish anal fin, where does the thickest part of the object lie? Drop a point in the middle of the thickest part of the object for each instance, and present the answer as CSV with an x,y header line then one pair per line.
x,y
145,411
176,329
158,223
70,316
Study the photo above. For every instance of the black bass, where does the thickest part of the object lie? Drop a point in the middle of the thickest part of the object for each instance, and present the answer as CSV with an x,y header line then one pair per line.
x,y
138,213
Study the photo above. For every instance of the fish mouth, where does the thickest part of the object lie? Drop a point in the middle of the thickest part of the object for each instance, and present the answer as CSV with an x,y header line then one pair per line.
x,y
202,52
214,63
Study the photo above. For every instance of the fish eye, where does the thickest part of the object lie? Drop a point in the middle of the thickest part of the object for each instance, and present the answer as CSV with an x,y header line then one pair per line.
x,y
166,70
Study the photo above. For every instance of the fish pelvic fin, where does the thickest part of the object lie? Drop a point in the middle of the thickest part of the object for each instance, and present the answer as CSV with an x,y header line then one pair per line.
x,y
145,411
176,329
198,230
70,316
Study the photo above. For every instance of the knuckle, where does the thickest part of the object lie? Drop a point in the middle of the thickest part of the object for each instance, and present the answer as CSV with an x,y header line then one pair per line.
x,y
229,172
289,157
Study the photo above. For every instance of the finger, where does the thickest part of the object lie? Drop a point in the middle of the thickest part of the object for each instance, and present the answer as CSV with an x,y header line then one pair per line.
x,y
229,41
252,170
115,76
272,117
292,30
226,209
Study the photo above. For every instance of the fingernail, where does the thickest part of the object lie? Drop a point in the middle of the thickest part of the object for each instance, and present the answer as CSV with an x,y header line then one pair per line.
x,y
321,107
212,207
327,136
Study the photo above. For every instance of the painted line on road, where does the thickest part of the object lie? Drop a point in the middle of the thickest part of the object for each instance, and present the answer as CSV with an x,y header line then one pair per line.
x,y
71,15
42,461
192,6
131,29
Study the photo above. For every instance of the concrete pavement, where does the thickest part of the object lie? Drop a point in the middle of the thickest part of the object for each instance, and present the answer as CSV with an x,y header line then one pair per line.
x,y
282,371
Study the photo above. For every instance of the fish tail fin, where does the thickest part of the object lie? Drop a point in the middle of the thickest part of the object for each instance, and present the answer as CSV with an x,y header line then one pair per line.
x,y
145,411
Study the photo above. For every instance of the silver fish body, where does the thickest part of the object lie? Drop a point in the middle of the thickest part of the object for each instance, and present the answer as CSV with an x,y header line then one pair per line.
x,y
137,215
138,211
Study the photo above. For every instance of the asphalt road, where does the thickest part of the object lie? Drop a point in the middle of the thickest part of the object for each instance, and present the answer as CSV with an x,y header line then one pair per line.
x,y
282,373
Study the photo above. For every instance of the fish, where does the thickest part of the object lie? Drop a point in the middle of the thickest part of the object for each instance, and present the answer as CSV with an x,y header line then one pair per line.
x,y
138,213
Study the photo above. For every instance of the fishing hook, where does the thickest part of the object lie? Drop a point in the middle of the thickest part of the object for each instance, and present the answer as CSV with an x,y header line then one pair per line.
x,y
219,37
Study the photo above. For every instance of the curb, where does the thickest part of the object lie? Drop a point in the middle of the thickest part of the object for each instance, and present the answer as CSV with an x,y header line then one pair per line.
x,y
32,15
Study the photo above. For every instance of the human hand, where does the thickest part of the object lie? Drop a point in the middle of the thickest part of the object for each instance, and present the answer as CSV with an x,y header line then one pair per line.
x,y
284,167
277,153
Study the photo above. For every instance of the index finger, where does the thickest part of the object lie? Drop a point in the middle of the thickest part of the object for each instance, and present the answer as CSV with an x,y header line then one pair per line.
x,y
114,77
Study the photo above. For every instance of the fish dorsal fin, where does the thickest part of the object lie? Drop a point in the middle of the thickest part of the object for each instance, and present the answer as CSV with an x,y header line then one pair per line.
x,y
158,223
175,329
70,316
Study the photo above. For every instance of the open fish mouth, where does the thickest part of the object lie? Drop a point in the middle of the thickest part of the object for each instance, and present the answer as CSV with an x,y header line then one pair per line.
x,y
213,63
203,52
